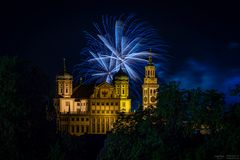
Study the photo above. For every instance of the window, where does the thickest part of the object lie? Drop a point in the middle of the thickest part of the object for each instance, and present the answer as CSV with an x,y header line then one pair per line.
x,y
98,112
77,129
116,103
72,129
112,112
82,129
77,119
107,111
93,111
66,90
123,91
82,119
72,119
111,103
86,119
98,128
102,103
103,128
78,104
124,104
67,103
98,103
93,103
102,111
107,103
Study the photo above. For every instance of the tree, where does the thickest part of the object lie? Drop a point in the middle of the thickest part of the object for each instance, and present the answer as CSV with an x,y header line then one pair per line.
x,y
186,124
24,91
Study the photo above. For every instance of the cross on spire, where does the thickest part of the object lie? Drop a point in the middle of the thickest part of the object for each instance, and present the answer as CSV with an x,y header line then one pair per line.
x,y
150,57
64,65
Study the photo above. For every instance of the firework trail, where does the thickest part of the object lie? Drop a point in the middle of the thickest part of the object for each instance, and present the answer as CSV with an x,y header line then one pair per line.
x,y
122,41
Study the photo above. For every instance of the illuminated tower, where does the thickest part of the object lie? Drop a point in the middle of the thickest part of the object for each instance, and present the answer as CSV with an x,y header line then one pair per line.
x,y
64,83
122,90
150,85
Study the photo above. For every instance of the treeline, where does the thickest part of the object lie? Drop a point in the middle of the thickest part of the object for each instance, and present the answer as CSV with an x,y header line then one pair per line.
x,y
185,125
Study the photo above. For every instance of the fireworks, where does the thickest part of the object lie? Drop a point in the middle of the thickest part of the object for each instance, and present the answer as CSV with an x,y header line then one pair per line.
x,y
118,42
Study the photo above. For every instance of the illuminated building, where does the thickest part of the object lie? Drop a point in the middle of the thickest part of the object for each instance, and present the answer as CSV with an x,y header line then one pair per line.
x,y
150,85
90,109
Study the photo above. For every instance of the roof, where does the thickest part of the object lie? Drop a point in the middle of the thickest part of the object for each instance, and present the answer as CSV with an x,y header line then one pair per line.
x,y
120,75
83,91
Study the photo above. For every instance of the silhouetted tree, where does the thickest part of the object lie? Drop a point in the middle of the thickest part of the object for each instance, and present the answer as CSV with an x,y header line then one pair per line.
x,y
24,91
186,124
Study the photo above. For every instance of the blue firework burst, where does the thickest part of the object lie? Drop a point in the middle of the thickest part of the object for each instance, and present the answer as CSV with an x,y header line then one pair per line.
x,y
123,41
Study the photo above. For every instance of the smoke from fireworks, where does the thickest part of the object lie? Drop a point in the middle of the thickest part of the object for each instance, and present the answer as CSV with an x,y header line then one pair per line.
x,y
118,42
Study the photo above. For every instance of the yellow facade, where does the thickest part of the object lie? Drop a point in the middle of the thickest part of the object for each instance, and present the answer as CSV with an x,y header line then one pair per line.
x,y
150,86
90,109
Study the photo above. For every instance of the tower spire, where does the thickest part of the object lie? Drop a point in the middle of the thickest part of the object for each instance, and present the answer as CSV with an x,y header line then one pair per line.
x,y
150,57
64,65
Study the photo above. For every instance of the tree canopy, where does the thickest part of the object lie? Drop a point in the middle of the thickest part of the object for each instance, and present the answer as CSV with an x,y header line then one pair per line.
x,y
186,124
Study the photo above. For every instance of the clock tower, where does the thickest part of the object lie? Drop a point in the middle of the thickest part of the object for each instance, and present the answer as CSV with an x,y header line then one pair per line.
x,y
150,85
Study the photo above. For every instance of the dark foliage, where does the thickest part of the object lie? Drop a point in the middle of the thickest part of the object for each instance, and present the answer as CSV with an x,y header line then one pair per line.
x,y
24,96
187,124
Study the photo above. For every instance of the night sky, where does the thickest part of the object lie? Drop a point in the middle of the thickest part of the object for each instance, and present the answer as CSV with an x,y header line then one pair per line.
x,y
203,38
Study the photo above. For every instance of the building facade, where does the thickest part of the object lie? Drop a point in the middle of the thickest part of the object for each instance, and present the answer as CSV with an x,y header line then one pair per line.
x,y
90,109
150,85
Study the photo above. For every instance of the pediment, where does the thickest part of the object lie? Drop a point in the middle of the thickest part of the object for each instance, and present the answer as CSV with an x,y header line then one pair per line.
x,y
105,85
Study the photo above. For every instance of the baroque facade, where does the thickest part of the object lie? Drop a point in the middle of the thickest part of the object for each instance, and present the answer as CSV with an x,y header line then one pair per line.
x,y
150,85
92,109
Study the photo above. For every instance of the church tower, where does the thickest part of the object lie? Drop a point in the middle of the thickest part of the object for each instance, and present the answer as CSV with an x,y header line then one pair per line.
x,y
121,84
150,85
64,83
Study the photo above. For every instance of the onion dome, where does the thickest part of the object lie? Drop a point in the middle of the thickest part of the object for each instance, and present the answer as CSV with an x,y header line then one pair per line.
x,y
120,75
